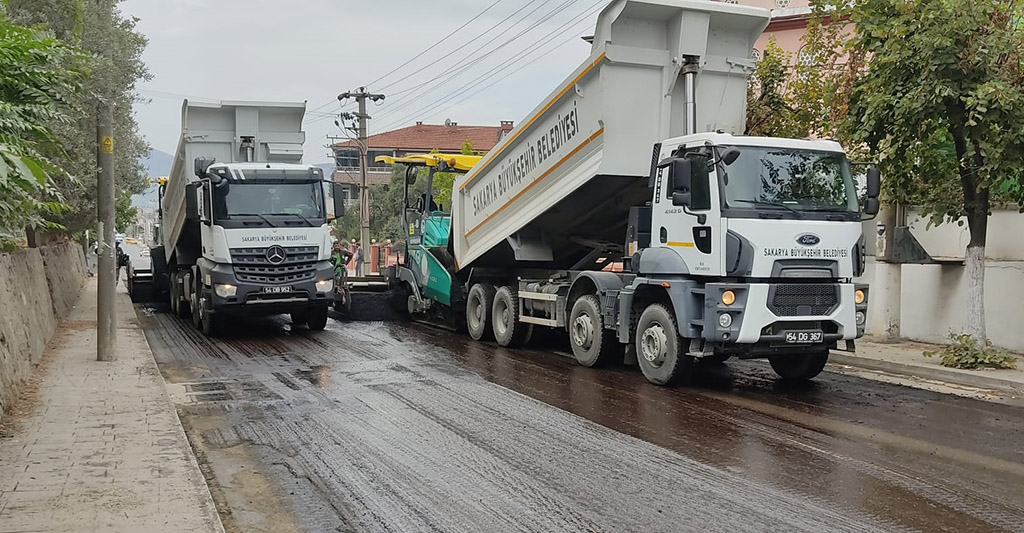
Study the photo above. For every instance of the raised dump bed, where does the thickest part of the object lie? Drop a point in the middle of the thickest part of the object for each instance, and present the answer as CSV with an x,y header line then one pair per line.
x,y
556,192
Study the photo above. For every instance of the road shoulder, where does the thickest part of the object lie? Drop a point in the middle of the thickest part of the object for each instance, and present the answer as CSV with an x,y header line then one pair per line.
x,y
102,447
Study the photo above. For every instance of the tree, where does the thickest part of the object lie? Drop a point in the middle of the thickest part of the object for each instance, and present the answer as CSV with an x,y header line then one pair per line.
x,y
772,111
39,79
112,77
940,103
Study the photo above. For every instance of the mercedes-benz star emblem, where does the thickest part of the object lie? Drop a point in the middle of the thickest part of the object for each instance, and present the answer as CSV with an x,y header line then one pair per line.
x,y
275,255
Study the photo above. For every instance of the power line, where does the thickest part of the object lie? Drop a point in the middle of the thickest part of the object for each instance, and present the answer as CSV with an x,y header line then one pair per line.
x,y
467,43
445,38
457,70
506,76
572,22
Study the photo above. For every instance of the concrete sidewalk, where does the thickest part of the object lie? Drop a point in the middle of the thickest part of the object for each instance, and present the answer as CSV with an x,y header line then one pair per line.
x,y
102,449
907,359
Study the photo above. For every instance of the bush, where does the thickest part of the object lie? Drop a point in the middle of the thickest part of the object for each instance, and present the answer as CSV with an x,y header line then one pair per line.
x,y
967,353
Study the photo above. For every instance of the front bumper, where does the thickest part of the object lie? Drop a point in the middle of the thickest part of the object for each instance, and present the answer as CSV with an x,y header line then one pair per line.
x,y
757,318
253,298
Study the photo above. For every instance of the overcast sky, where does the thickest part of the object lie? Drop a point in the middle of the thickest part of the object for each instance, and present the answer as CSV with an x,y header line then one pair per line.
x,y
314,49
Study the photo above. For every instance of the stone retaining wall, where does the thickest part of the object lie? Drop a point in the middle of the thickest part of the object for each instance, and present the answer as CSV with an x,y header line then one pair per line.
x,y
38,286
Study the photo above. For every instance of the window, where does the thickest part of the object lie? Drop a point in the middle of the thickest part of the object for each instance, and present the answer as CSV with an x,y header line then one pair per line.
x,y
346,158
792,179
268,199
371,158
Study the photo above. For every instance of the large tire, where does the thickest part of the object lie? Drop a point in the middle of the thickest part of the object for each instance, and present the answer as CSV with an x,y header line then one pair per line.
x,y
592,345
173,297
479,304
196,305
184,310
660,351
300,318
799,367
508,330
210,323
317,320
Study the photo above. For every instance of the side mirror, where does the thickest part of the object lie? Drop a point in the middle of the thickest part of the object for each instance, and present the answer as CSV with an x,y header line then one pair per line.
x,y
871,206
680,173
874,182
201,165
681,198
338,194
193,197
730,156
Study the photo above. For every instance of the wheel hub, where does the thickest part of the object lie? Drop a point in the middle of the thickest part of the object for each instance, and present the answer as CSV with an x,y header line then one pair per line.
x,y
583,331
654,345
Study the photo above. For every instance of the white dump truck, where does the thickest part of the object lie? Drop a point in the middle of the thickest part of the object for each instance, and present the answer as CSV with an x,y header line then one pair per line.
x,y
243,222
729,245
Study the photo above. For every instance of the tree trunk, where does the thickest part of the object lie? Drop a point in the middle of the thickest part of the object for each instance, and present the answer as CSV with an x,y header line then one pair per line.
x,y
977,221
975,272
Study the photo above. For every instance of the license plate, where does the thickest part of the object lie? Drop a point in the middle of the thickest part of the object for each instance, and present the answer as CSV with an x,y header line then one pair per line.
x,y
278,289
804,337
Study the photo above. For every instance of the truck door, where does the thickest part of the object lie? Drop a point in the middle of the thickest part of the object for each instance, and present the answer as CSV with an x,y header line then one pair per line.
x,y
694,231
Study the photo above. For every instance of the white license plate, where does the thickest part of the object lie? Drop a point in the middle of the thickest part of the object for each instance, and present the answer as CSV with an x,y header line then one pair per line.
x,y
278,289
803,337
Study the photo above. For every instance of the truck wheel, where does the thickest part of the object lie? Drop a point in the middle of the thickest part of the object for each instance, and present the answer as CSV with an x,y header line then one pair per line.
x,y
591,343
317,319
196,304
478,311
659,348
210,323
799,367
183,309
173,296
508,330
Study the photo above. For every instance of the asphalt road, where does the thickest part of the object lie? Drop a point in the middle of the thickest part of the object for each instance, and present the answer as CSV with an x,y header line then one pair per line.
x,y
390,426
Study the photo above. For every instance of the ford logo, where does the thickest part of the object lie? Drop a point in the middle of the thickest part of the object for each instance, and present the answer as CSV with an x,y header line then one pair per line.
x,y
808,239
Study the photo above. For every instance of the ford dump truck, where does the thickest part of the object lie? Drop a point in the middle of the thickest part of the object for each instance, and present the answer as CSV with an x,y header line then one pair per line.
x,y
243,222
730,245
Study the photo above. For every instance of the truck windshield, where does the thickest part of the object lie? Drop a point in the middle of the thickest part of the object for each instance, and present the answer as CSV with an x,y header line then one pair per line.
x,y
269,199
790,179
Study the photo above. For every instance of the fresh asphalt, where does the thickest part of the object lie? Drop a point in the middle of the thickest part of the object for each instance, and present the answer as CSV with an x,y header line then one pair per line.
x,y
397,426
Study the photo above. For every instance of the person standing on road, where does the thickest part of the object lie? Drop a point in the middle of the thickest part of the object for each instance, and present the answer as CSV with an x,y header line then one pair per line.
x,y
357,256
341,255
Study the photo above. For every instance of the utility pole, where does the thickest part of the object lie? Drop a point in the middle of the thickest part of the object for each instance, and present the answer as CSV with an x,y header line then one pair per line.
x,y
106,325
364,191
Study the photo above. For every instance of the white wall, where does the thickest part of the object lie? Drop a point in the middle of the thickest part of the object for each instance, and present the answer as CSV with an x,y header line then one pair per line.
x,y
933,302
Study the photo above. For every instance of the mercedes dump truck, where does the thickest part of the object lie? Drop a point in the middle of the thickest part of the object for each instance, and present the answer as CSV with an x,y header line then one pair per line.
x,y
243,223
729,245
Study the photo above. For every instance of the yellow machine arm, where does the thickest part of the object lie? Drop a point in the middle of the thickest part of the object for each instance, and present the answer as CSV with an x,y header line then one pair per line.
x,y
454,162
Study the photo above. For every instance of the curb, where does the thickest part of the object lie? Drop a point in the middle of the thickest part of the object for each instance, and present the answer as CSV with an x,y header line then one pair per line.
x,y
935,374
208,506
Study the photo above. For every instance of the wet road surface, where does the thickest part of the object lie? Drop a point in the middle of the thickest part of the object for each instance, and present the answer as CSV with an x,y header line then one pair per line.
x,y
389,426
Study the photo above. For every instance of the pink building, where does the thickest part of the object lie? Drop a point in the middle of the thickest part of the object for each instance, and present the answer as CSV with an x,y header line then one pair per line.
x,y
789,21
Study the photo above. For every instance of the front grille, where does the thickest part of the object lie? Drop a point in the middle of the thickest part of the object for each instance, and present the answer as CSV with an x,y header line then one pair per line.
x,y
251,265
803,299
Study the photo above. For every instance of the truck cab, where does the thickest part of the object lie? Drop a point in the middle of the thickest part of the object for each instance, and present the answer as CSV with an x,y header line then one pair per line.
x,y
266,244
756,242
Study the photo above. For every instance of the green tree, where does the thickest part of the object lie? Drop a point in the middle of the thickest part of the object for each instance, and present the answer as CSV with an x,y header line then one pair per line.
x,y
39,79
112,77
936,92
772,111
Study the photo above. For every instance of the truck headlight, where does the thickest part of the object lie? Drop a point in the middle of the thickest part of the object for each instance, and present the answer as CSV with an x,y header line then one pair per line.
x,y
225,290
728,297
725,320
860,317
325,285
859,296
